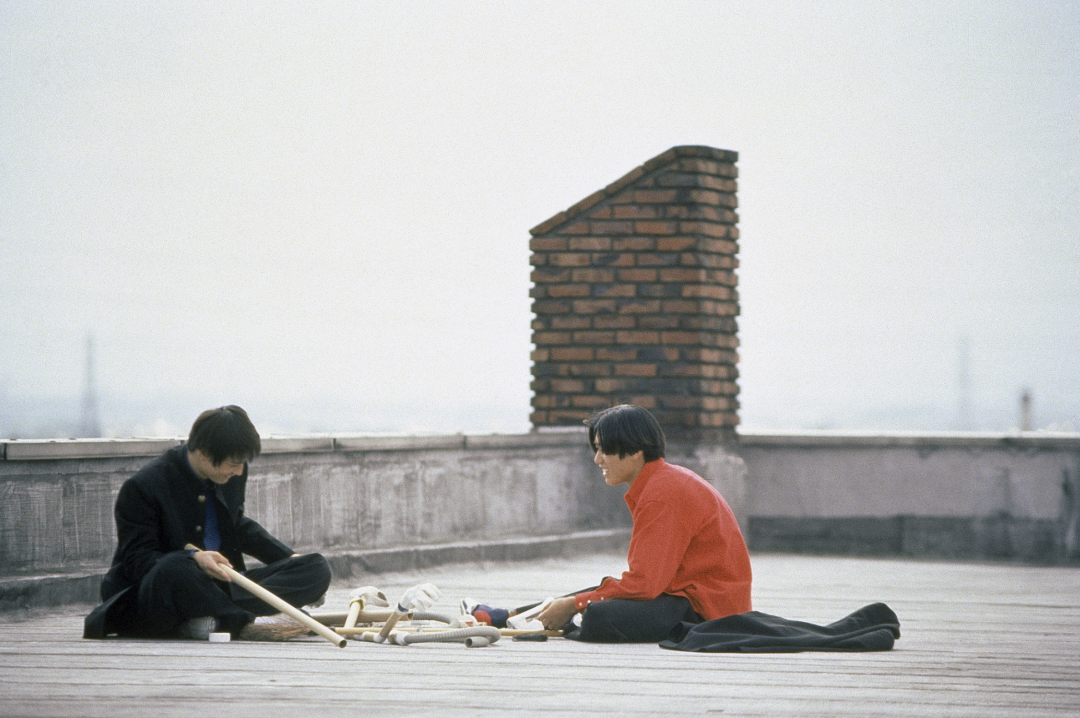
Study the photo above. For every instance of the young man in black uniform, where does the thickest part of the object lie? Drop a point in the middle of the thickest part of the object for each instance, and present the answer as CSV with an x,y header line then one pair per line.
x,y
180,517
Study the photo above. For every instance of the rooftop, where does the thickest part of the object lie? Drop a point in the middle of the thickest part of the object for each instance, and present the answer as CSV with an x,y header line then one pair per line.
x,y
977,640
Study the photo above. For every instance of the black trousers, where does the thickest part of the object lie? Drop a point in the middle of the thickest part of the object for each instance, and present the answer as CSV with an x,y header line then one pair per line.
x,y
176,590
621,620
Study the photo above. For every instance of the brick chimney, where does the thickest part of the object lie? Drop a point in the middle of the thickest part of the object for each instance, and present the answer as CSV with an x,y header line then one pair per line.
x,y
635,301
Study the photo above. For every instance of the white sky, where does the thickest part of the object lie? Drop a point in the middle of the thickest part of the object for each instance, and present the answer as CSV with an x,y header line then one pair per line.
x,y
320,210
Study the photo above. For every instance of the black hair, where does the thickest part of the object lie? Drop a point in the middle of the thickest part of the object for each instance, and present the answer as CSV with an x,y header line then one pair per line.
x,y
626,429
225,433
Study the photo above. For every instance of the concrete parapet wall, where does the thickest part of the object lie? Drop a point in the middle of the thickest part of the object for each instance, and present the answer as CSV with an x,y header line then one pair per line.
x,y
327,494
954,494
1011,496
376,504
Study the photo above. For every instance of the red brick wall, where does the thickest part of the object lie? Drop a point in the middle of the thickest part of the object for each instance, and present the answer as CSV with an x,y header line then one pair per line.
x,y
635,301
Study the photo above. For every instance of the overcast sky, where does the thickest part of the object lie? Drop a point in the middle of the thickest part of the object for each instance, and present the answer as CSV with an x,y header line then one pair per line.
x,y
320,210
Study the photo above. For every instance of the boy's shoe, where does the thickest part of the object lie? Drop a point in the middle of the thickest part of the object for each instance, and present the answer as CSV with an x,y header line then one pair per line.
x,y
484,613
198,629
527,621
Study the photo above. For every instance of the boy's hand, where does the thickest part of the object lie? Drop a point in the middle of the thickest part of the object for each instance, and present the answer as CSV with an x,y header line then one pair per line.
x,y
208,561
558,613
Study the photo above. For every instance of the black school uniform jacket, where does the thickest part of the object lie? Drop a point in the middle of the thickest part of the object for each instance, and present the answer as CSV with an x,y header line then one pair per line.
x,y
160,510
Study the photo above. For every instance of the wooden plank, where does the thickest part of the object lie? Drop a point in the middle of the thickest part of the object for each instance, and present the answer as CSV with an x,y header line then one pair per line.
x,y
978,640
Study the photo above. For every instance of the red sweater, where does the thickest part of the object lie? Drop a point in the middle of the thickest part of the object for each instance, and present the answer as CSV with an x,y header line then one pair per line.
x,y
685,542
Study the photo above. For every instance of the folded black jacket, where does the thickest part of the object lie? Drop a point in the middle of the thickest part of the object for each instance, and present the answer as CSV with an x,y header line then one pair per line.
x,y
872,628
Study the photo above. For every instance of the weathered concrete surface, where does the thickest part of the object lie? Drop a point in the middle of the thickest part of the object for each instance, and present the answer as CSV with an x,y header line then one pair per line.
x,y
368,503
1009,496
336,494
978,641
345,493
839,475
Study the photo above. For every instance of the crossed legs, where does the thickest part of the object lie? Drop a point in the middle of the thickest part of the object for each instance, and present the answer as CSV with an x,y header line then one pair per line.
x,y
177,590
621,620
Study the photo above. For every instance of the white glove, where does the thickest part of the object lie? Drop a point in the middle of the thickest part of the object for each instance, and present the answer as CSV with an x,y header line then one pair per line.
x,y
418,598
371,595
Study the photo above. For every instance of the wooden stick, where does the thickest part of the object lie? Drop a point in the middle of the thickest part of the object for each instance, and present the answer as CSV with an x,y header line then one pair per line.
x,y
366,615
385,632
331,619
373,630
354,612
555,633
282,605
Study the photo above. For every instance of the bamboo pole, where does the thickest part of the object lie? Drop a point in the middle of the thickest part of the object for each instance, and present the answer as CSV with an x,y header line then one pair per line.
x,y
282,605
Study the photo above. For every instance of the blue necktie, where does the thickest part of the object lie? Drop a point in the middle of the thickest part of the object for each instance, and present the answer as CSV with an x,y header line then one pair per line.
x,y
212,539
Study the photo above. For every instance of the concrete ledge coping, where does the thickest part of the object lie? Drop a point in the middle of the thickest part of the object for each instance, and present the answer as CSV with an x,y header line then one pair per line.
x,y
45,449
398,443
297,444
25,449
877,439
457,441
574,437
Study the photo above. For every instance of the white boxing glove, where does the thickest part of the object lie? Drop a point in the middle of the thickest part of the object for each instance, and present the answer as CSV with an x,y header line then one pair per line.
x,y
418,598
371,596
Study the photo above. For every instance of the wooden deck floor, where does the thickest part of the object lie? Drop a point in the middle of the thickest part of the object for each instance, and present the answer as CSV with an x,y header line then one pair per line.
x,y
978,640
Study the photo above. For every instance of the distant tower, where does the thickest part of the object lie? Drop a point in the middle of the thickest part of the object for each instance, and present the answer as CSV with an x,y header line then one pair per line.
x,y
89,425
1025,410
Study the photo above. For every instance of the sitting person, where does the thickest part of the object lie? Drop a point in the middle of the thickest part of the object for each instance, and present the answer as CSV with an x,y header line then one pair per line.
x,y
687,558
177,520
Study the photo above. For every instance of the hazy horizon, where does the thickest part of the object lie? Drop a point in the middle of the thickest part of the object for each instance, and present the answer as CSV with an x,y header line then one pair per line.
x,y
320,211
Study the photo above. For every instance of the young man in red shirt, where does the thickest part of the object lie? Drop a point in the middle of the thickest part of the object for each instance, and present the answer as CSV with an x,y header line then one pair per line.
x,y
687,559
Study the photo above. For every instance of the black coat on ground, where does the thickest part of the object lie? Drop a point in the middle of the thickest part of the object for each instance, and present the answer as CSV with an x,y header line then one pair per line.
x,y
872,628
